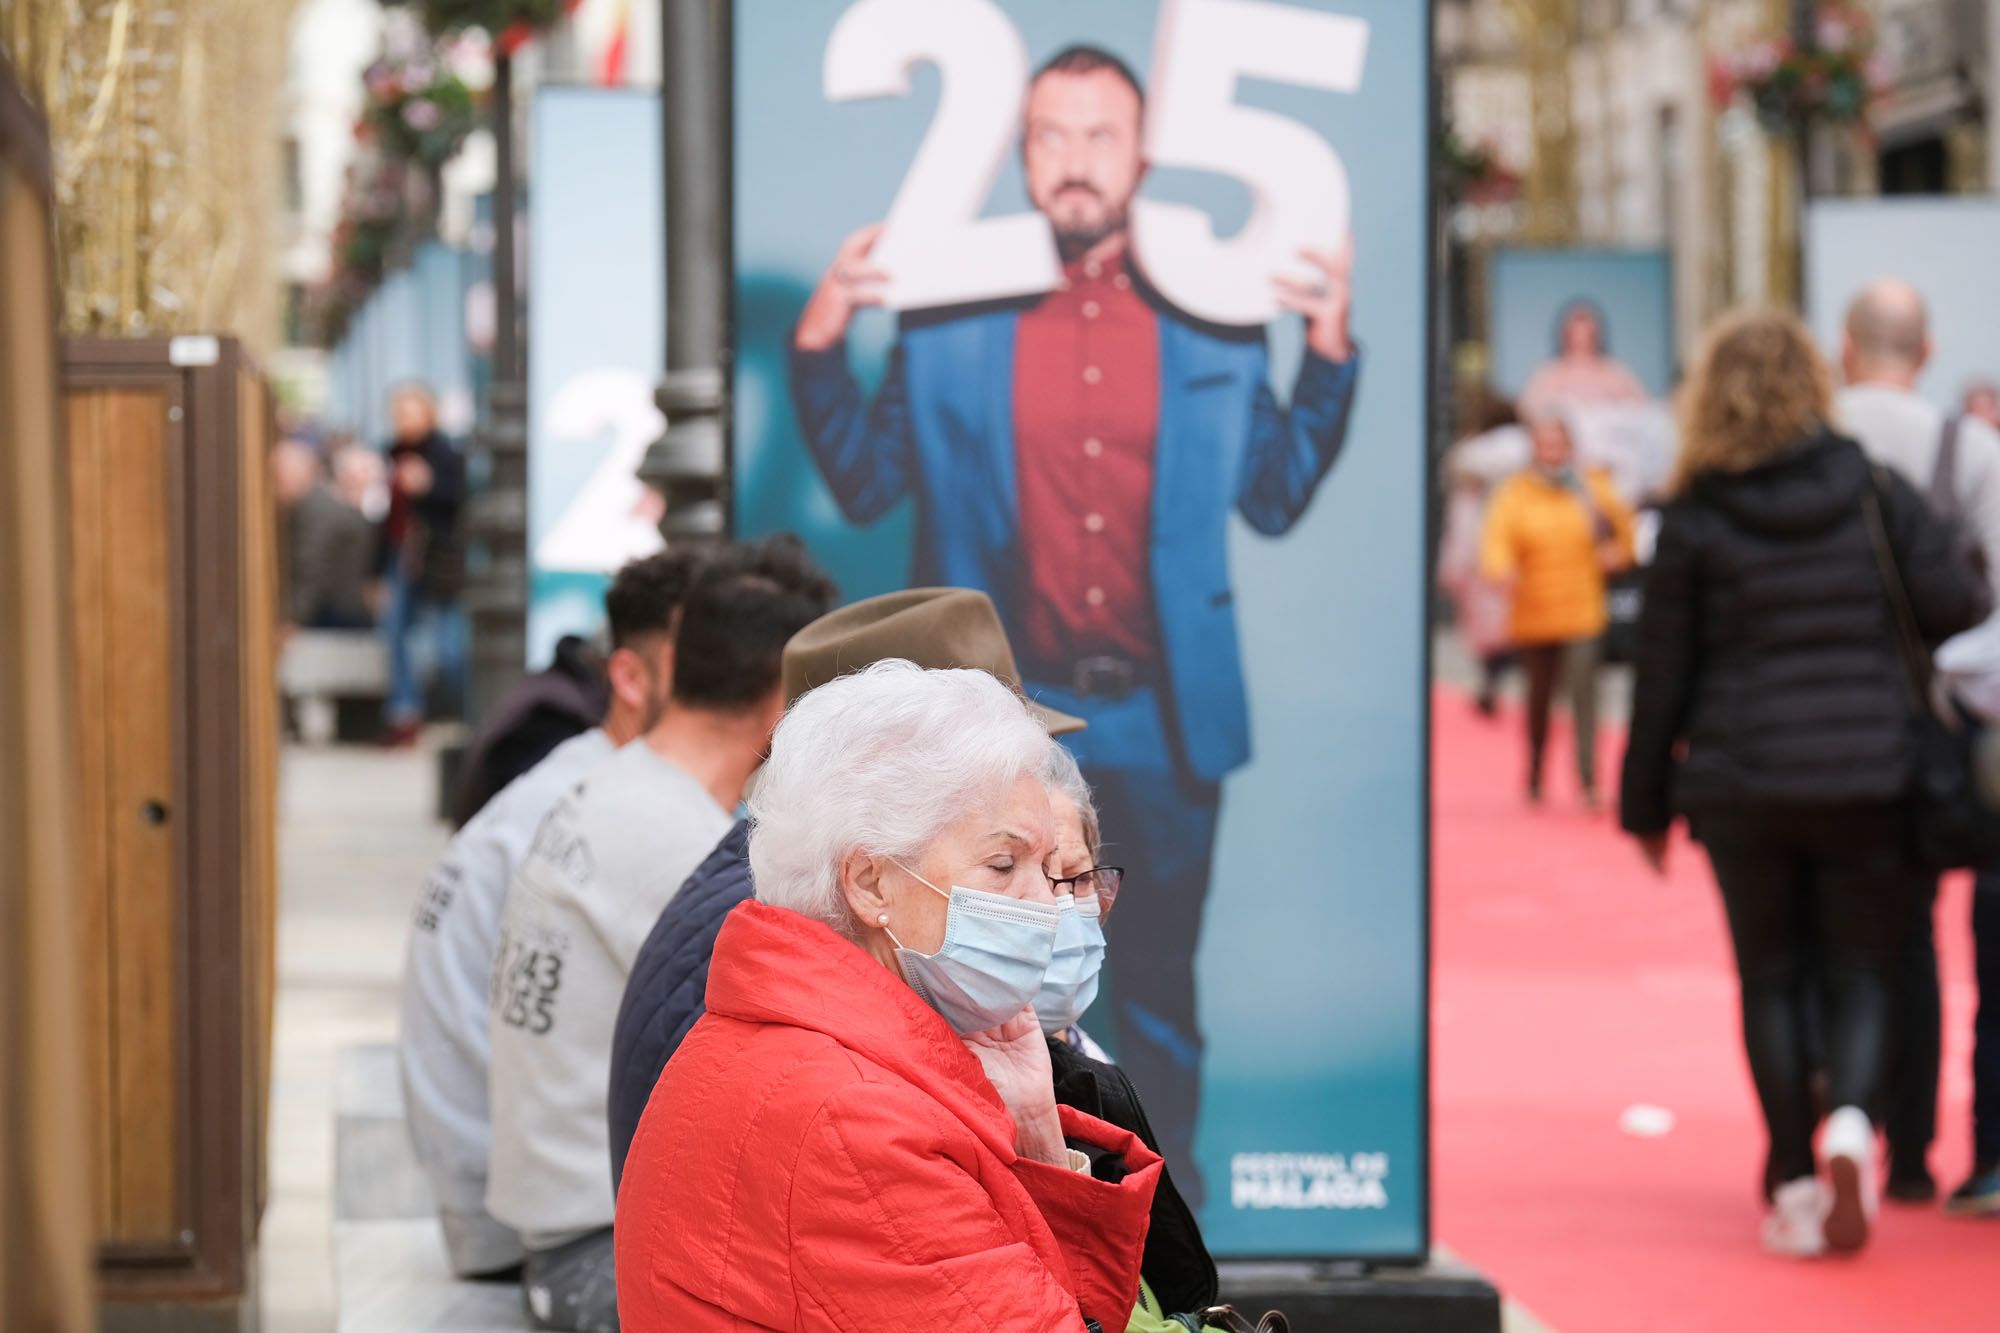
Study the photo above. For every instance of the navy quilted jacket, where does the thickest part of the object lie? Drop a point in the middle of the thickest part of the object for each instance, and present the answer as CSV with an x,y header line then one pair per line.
x,y
668,988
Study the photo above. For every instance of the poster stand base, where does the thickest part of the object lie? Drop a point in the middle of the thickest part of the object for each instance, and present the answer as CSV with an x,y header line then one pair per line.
x,y
1443,1296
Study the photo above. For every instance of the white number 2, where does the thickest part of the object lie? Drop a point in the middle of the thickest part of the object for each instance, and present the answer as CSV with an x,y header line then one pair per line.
x,y
934,246
1298,186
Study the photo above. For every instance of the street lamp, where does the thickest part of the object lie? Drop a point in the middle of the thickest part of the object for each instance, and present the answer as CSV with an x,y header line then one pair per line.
x,y
688,465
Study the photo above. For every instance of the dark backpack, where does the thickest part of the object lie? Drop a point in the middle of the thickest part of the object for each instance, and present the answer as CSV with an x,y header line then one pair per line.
x,y
1943,497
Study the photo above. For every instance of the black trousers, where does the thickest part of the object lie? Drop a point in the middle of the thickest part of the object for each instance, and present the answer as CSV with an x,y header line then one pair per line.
x,y
1815,896
1986,1027
1572,663
1916,1039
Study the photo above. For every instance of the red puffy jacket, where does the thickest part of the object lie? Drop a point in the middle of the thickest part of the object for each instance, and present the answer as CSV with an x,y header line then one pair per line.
x,y
824,1153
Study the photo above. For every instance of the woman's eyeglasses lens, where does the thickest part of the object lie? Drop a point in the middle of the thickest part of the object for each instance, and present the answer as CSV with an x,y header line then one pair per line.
x,y
1101,881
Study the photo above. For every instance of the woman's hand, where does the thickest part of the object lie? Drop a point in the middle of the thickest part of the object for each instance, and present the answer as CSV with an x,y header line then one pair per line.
x,y
1016,1059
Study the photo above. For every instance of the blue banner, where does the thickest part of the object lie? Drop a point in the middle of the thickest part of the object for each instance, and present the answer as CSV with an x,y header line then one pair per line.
x,y
597,330
1630,292
1113,358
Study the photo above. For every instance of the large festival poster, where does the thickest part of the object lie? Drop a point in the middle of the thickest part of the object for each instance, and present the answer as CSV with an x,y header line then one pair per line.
x,y
1119,312
1532,290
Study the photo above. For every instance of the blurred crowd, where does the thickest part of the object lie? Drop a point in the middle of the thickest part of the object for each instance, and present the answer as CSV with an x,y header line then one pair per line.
x,y
1795,557
372,543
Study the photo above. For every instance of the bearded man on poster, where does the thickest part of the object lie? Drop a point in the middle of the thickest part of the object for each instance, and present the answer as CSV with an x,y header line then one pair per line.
x,y
1076,456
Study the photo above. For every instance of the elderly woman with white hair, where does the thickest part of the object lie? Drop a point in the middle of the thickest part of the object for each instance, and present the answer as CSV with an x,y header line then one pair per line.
x,y
862,1131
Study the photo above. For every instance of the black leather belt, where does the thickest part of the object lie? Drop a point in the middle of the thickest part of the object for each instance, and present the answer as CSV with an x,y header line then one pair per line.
x,y
1107,676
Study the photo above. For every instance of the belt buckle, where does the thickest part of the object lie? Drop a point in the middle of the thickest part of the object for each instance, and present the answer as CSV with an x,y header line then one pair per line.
x,y
1104,677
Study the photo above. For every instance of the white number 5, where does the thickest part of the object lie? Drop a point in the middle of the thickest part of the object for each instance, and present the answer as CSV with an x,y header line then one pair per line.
x,y
1298,186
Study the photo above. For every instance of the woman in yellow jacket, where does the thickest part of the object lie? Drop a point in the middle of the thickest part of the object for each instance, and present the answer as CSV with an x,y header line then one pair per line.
x,y
1552,535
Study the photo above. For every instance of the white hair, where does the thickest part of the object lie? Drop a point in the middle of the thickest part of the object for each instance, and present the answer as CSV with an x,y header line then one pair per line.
x,y
1061,774
881,761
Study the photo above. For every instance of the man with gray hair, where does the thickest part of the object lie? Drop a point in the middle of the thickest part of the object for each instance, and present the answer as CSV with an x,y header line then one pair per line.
x,y
1955,461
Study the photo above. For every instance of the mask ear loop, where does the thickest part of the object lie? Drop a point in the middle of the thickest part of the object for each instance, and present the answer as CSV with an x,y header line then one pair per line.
x,y
883,920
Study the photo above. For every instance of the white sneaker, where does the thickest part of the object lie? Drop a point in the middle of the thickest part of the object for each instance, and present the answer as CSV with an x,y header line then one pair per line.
x,y
1847,1146
1795,1226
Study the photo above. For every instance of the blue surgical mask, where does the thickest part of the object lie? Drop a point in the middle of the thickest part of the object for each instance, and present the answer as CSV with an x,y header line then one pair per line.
x,y
991,963
1070,984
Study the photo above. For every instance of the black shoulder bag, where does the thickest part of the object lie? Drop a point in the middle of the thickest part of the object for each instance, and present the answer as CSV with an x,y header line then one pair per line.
x,y
1950,826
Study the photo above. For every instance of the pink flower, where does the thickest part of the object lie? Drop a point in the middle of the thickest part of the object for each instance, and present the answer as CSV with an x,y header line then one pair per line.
x,y
422,116
1834,32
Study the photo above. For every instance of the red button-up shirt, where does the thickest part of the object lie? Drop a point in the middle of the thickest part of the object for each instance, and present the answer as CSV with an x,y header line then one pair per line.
x,y
1086,421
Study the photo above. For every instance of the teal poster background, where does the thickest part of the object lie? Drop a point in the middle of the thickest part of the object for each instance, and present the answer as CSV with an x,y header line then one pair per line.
x,y
1313,1136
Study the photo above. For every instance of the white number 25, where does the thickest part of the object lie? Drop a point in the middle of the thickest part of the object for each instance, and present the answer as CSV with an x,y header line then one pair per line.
x,y
936,248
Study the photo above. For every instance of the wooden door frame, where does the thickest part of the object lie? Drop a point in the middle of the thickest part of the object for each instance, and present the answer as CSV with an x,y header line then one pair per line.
x,y
218,1139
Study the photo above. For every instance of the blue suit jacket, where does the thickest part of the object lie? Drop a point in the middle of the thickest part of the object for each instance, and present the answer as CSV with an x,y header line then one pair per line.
x,y
941,428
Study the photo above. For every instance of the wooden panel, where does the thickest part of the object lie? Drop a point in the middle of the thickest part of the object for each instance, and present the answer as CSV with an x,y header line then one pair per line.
x,y
259,591
123,443
88,629
44,1208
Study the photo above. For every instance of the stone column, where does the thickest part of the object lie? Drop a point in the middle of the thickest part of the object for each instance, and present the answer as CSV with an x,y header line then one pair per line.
x,y
496,596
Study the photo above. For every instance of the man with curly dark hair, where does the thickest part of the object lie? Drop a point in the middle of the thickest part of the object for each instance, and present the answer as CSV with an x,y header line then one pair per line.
x,y
443,1044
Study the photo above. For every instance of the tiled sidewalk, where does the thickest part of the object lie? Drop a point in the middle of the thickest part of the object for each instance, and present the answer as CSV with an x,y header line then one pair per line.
x,y
357,835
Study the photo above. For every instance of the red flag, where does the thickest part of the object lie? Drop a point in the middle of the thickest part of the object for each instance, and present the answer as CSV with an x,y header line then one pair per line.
x,y
611,68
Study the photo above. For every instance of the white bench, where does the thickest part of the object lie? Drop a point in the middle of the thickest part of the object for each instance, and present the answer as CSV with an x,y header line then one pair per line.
x,y
389,1268
321,666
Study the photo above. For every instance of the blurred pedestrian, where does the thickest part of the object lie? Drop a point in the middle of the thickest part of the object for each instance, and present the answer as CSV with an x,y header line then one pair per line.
x,y
423,559
1583,371
1552,536
360,477
1954,461
1982,402
1770,709
329,545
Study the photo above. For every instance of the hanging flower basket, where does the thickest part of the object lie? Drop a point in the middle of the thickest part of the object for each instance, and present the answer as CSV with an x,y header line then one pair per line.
x,y
374,229
418,110
511,21
1471,173
1831,84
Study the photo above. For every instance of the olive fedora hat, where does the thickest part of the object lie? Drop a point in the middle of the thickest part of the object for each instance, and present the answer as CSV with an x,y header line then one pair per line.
x,y
934,627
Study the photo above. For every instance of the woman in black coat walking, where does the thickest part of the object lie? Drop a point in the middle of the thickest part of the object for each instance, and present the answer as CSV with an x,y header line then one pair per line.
x,y
1770,710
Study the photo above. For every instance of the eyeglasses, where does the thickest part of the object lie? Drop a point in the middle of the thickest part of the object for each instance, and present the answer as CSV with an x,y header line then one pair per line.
x,y
1101,881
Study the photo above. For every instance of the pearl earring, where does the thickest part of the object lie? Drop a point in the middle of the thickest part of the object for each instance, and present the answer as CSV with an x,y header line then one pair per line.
x,y
882,920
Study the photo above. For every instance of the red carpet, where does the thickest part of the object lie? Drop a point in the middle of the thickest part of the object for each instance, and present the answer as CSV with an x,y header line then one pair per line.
x,y
1572,984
